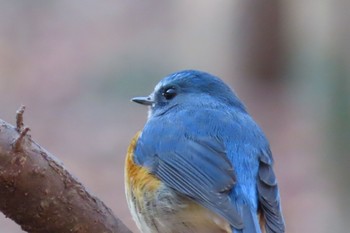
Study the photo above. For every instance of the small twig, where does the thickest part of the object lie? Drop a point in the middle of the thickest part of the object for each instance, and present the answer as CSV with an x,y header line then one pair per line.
x,y
17,145
19,141
19,118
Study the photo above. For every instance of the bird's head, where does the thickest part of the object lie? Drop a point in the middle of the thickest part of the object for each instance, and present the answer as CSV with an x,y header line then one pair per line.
x,y
189,88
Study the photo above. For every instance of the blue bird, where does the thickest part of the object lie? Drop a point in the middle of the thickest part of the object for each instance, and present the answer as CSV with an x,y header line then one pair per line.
x,y
201,164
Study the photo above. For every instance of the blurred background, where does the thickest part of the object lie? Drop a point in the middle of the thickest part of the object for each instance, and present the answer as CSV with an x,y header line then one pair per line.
x,y
76,64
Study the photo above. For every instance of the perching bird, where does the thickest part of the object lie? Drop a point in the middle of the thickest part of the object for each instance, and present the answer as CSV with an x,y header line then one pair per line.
x,y
201,164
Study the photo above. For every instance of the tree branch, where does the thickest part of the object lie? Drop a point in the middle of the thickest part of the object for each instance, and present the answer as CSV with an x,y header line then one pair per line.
x,y
39,194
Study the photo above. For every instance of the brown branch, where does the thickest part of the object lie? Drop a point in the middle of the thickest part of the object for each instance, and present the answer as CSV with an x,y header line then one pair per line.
x,y
38,193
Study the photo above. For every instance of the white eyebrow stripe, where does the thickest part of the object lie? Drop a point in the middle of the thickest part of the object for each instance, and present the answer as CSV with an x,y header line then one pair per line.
x,y
158,86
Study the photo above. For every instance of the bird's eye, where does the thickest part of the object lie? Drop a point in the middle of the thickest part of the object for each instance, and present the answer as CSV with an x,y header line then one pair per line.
x,y
169,93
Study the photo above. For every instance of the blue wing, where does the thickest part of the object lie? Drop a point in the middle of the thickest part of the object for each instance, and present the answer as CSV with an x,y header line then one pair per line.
x,y
191,162
268,195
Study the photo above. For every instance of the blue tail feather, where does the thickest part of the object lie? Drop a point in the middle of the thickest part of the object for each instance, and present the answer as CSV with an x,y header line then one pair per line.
x,y
250,220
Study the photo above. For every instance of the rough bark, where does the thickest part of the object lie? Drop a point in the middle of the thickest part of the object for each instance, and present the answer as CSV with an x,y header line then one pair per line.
x,y
39,194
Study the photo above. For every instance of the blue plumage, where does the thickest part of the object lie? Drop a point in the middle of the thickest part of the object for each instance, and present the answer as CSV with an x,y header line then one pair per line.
x,y
200,141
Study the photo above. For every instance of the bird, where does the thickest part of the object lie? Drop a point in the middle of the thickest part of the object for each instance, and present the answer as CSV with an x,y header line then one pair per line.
x,y
201,164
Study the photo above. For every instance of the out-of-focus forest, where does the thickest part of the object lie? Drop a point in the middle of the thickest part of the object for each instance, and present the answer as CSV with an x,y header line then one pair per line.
x,y
76,64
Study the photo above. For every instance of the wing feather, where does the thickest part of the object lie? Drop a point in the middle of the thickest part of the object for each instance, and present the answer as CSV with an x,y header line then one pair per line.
x,y
269,200
198,169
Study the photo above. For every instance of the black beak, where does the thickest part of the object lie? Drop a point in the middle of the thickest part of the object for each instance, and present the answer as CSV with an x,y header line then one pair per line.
x,y
143,100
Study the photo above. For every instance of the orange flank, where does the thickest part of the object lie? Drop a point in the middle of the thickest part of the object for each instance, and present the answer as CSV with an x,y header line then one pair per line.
x,y
138,179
